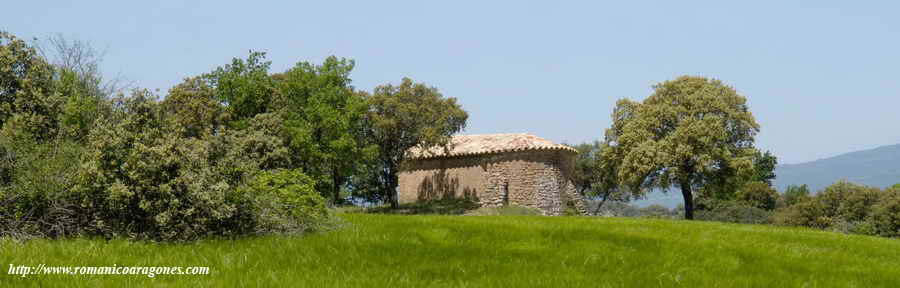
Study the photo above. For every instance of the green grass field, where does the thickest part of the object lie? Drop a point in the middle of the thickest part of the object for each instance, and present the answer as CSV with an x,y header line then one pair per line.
x,y
488,251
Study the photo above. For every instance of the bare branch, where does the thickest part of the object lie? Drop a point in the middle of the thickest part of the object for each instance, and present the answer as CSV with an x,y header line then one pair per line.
x,y
81,57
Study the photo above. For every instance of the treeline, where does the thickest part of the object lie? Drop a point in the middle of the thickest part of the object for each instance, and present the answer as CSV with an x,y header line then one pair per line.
x,y
842,207
239,150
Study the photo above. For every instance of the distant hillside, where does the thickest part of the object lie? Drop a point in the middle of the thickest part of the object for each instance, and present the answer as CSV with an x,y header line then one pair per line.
x,y
879,167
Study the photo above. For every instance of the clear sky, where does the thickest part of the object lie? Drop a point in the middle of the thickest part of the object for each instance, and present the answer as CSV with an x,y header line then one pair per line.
x,y
822,77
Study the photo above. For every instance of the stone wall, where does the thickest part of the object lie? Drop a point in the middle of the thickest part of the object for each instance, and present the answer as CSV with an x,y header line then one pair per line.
x,y
532,178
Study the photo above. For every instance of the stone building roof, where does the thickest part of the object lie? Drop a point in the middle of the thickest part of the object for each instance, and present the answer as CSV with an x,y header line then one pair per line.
x,y
463,145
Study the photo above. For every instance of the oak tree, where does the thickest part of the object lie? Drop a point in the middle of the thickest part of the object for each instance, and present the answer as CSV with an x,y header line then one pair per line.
x,y
688,130
595,176
406,116
324,122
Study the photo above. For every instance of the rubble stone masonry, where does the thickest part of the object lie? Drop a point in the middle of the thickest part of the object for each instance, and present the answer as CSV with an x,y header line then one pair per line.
x,y
531,178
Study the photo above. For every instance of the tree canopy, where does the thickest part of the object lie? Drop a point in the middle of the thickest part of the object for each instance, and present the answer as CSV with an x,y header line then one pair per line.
x,y
405,116
687,132
244,86
596,176
794,194
324,121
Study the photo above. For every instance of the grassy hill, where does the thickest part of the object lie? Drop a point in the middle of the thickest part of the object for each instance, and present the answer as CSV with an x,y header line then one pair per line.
x,y
879,167
490,251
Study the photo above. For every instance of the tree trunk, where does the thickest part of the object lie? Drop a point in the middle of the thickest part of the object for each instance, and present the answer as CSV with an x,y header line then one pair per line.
x,y
392,195
336,189
597,210
688,200
391,187
395,201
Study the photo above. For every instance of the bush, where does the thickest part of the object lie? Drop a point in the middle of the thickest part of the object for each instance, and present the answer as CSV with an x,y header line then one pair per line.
x,y
34,203
657,211
758,194
848,201
808,213
885,219
842,207
733,212
142,177
613,209
794,194
75,163
285,201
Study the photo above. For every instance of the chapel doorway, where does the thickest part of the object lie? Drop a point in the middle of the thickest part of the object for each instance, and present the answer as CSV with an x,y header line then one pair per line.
x,y
506,193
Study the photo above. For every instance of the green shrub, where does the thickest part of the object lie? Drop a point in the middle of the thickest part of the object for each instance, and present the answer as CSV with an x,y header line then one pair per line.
x,y
794,194
732,211
75,163
143,177
613,209
758,194
35,177
656,211
885,219
848,201
808,213
842,207
285,201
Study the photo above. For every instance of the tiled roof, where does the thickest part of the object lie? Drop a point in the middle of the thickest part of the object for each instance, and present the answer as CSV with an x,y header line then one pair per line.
x,y
462,145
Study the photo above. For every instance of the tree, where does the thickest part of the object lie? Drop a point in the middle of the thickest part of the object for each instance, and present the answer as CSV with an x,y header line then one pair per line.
x,y
758,194
585,166
46,111
81,58
82,104
764,167
194,106
406,116
687,132
794,194
885,216
245,87
80,83
324,121
848,201
724,183
323,116
26,89
595,176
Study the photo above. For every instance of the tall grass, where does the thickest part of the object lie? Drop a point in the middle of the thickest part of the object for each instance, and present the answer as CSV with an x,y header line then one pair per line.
x,y
489,251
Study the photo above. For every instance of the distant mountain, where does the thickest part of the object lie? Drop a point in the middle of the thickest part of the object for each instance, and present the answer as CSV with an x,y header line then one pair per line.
x,y
879,167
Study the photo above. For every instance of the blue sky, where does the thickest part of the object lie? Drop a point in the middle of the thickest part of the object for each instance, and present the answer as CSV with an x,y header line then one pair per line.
x,y
821,76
